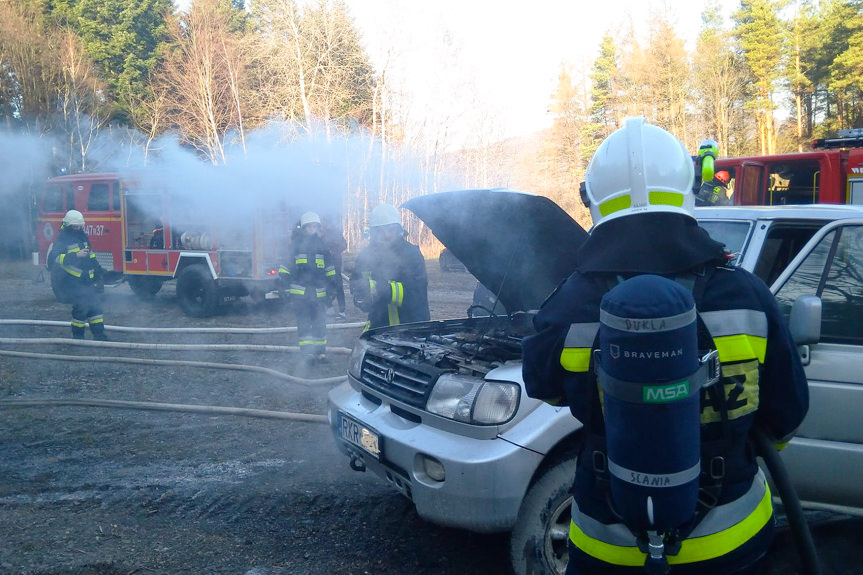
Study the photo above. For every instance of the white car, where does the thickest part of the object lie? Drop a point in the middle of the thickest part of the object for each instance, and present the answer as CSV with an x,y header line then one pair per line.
x,y
438,408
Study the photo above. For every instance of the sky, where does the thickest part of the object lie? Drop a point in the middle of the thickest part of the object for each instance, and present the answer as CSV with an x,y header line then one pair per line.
x,y
511,53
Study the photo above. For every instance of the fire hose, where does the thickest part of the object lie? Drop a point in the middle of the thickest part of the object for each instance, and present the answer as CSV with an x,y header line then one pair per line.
x,y
209,409
118,328
152,406
793,509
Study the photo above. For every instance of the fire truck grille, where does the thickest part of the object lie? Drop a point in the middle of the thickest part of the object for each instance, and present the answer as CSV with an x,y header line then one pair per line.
x,y
398,381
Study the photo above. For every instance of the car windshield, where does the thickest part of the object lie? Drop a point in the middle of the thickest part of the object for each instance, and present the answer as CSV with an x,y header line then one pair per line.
x,y
732,234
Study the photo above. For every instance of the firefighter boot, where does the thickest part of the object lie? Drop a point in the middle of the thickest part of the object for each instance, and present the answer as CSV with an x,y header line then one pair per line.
x,y
77,329
97,327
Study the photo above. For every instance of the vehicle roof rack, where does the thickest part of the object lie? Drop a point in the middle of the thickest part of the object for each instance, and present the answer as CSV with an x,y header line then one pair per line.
x,y
844,139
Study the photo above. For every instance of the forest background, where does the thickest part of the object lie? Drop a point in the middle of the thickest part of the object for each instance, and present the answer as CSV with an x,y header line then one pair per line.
x,y
286,88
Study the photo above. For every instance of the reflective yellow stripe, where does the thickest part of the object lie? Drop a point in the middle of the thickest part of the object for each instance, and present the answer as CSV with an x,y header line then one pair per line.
x,y
665,199
741,347
691,550
319,261
615,205
331,271
575,359
393,313
398,294
321,292
76,323
722,543
96,319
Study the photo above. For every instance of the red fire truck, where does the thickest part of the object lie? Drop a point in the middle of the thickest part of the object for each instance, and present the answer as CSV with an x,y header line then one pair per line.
x,y
832,173
145,233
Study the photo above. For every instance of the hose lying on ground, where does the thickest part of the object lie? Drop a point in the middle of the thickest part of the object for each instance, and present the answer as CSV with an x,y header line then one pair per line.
x,y
119,328
140,361
161,346
206,409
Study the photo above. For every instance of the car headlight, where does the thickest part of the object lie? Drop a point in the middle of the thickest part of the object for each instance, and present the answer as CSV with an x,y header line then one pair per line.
x,y
355,364
473,400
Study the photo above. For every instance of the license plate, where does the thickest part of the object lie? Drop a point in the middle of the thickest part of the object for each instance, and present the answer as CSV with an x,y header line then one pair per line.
x,y
356,433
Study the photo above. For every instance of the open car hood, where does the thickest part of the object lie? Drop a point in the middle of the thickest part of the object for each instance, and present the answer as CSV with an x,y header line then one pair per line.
x,y
518,245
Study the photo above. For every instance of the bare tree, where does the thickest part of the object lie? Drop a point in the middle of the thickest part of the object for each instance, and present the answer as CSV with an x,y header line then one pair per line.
x,y
202,80
31,74
83,100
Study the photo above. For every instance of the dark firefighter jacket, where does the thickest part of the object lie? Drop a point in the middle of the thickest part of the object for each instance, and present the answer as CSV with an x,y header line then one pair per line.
x,y
762,376
389,282
71,275
712,193
309,272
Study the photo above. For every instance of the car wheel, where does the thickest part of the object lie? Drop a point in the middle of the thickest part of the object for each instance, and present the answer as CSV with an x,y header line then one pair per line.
x,y
538,543
197,291
144,286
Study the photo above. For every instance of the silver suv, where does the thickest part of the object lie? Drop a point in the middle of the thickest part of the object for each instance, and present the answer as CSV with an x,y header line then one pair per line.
x,y
438,408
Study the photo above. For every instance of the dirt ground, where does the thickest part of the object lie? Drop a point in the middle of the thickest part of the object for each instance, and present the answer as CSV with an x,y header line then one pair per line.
x,y
89,490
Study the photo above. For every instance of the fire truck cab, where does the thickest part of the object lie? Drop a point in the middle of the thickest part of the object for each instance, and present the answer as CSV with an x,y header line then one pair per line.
x,y
832,173
146,234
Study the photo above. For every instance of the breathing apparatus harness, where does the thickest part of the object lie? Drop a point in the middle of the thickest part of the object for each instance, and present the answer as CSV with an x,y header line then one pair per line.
x,y
660,506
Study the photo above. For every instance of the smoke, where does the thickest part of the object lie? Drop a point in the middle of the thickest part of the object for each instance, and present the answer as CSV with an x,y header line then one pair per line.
x,y
274,167
23,160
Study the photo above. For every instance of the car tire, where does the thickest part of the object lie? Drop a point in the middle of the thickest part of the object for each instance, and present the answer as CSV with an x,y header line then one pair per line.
x,y
197,291
538,543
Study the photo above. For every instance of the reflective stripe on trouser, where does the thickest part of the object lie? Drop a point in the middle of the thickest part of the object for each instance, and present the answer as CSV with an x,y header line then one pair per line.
x,y
311,326
393,314
722,530
87,309
78,328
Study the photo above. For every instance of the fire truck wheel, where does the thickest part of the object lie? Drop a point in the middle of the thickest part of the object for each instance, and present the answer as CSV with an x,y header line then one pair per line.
x,y
197,291
143,286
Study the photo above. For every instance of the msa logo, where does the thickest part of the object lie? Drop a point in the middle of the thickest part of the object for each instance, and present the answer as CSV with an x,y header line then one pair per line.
x,y
665,393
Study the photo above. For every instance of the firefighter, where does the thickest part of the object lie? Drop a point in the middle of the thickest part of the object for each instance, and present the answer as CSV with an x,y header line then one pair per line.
x,y
74,275
389,280
639,189
715,191
334,238
310,275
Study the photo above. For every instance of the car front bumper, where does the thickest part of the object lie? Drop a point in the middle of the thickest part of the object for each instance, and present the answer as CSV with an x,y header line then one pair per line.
x,y
484,479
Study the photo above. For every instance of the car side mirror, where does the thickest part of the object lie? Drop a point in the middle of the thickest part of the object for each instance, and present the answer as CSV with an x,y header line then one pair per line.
x,y
805,321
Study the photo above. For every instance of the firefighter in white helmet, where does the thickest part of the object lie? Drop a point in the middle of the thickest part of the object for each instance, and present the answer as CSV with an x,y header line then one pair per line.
x,y
389,280
639,189
74,274
310,276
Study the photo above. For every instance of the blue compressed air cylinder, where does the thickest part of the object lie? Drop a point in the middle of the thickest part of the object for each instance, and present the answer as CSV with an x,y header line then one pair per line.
x,y
648,338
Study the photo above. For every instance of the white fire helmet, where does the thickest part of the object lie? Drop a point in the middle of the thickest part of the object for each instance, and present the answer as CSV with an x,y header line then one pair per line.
x,y
309,218
384,215
637,169
73,218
